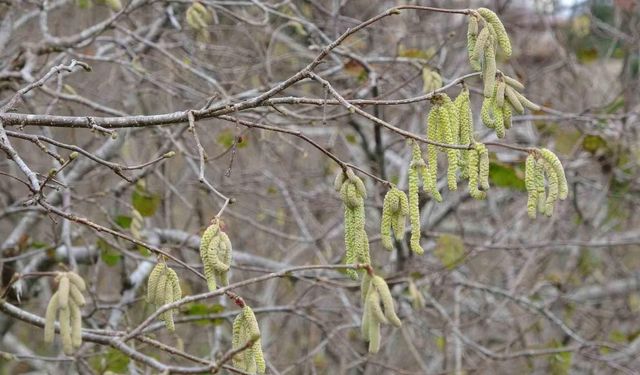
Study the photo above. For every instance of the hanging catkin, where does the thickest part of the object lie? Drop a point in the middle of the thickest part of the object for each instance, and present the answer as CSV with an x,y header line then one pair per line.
x,y
552,187
530,175
541,163
452,138
540,186
377,298
353,192
489,71
497,110
414,205
498,29
197,16
555,163
483,172
66,303
472,37
245,328
477,53
215,252
465,120
478,171
163,287
513,82
431,177
395,209
443,126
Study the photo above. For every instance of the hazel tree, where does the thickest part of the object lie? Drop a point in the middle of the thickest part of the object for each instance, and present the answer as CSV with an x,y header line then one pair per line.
x,y
168,201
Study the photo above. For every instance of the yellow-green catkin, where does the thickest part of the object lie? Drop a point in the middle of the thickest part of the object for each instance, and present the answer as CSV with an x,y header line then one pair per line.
x,y
483,171
377,298
163,287
527,103
387,301
65,304
512,95
555,163
489,71
472,37
197,16
500,86
50,319
496,111
443,126
353,192
513,82
541,163
398,225
498,28
530,183
465,120
483,40
486,113
76,325
414,204
394,211
499,119
540,186
506,116
215,252
245,328
63,291
65,330
474,174
552,187
431,179
452,122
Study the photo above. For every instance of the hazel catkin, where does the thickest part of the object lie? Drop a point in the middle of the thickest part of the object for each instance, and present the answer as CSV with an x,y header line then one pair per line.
x,y
377,298
353,192
393,217
245,328
65,303
163,287
498,28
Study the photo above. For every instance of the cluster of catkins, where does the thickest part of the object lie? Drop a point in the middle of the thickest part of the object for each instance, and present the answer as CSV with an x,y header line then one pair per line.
x,y
197,16
163,287
352,191
541,163
215,251
484,34
478,171
450,122
376,297
374,289
504,99
482,45
395,209
66,303
245,328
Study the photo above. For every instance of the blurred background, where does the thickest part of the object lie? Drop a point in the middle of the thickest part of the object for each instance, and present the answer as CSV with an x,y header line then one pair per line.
x,y
495,292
